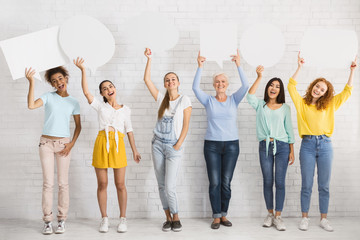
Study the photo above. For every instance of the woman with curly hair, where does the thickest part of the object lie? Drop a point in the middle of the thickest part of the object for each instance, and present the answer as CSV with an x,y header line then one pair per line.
x,y
315,116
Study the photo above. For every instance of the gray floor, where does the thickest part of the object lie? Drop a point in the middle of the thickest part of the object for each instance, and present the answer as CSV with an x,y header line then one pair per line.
x,y
243,228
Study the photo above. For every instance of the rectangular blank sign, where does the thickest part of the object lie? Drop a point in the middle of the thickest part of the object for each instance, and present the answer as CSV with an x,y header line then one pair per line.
x,y
327,48
39,50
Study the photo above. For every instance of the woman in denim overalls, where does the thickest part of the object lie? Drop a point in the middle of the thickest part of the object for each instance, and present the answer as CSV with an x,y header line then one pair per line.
x,y
169,134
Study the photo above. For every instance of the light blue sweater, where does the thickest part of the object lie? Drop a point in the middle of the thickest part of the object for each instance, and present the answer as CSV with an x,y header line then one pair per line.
x,y
221,116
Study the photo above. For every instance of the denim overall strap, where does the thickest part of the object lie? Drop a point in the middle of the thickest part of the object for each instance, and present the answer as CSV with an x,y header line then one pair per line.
x,y
165,130
174,110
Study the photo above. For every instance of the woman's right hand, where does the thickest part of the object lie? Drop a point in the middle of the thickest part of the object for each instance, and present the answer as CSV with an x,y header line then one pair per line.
x,y
147,53
30,74
79,62
259,70
200,60
301,61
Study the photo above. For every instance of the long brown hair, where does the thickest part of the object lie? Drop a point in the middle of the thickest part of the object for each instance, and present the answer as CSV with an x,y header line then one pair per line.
x,y
324,100
165,104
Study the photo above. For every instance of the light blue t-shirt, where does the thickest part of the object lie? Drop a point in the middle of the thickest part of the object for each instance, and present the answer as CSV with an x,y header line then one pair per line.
x,y
221,116
58,111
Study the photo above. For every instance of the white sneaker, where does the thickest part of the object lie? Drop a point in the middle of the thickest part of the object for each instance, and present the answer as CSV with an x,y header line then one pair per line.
x,y
268,221
304,224
60,227
47,230
325,224
279,223
104,225
122,227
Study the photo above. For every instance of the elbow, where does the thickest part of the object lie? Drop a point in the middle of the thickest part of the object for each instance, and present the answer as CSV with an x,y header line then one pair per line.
x,y
31,107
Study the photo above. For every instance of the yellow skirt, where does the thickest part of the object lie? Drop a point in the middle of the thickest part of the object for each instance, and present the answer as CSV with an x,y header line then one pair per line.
x,y
111,159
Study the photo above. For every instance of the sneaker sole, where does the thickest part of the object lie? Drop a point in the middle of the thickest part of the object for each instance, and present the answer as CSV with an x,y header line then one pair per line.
x,y
266,226
122,231
103,231
59,232
177,230
302,229
47,233
166,230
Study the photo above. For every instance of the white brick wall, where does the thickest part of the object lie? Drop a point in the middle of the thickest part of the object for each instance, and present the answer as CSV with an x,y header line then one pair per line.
x,y
20,172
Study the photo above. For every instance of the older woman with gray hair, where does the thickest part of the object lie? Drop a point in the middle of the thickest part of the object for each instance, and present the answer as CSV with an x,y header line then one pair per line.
x,y
221,147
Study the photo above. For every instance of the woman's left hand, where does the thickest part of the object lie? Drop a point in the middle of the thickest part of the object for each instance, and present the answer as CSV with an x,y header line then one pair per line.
x,y
236,58
137,157
291,158
177,147
67,149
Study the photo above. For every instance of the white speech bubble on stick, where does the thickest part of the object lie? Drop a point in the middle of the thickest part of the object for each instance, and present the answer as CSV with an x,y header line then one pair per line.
x,y
88,38
262,44
329,48
151,30
218,41
39,50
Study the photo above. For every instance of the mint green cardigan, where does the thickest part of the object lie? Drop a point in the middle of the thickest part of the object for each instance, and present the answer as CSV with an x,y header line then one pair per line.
x,y
270,123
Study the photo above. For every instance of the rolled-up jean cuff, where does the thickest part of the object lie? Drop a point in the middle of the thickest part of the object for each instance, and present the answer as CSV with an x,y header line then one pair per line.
x,y
217,215
223,214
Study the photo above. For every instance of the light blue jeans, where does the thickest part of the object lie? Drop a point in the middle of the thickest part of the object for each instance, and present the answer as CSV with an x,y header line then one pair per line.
x,y
267,162
315,150
166,164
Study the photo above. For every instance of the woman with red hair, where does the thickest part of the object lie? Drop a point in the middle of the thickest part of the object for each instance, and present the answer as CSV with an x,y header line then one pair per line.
x,y
315,116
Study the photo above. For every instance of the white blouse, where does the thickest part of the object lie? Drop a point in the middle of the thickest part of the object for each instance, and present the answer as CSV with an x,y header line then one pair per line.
x,y
119,119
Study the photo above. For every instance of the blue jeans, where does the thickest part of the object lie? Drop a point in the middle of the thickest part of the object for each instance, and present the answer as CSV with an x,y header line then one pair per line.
x,y
221,158
166,164
315,150
281,161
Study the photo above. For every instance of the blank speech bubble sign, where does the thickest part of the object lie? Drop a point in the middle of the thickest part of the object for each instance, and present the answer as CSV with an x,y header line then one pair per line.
x,y
262,44
329,48
218,41
39,50
151,30
86,37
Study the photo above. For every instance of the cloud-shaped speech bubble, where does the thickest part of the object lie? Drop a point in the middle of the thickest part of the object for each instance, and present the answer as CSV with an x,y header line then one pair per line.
x,y
262,44
86,37
39,50
218,41
329,48
151,30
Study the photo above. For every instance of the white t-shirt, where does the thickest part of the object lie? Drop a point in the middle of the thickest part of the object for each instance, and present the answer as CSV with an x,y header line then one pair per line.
x,y
119,119
179,115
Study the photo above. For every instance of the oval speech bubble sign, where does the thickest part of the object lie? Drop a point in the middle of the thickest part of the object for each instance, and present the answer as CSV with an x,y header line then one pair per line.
x,y
262,44
86,37
151,30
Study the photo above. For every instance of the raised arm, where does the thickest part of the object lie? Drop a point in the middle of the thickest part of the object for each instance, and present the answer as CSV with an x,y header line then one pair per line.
x,y
200,95
300,63
79,62
240,93
30,98
185,128
259,71
340,98
147,75
352,72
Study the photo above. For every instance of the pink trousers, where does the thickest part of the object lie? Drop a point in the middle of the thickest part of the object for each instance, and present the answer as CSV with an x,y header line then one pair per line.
x,y
49,152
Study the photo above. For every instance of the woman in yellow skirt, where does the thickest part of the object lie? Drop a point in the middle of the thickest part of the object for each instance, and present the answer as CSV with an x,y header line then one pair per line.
x,y
109,149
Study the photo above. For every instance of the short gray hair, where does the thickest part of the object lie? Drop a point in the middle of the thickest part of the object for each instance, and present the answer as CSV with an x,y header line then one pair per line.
x,y
220,73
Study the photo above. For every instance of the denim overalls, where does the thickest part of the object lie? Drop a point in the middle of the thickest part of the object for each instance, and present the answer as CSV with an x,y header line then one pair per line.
x,y
166,160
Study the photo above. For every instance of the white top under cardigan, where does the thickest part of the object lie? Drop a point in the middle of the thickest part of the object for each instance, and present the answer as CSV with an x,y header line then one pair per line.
x,y
119,119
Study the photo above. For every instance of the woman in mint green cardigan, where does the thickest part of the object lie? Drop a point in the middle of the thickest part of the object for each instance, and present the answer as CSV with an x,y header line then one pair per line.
x,y
276,138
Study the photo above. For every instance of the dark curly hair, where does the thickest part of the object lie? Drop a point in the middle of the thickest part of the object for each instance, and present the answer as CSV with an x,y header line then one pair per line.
x,y
49,73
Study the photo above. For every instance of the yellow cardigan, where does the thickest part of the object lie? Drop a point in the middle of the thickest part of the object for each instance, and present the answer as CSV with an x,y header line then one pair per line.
x,y
312,121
